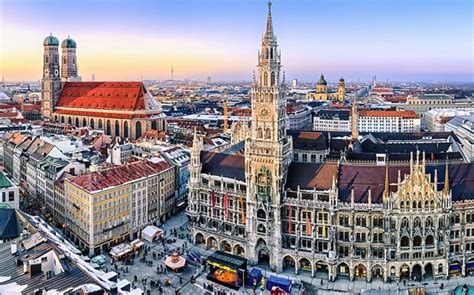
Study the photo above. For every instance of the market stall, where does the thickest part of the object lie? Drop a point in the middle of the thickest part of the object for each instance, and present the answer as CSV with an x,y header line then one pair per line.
x,y
121,251
151,232
226,269
137,244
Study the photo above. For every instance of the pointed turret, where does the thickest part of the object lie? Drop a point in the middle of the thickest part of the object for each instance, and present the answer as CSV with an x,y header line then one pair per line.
x,y
269,30
446,180
386,191
354,121
226,113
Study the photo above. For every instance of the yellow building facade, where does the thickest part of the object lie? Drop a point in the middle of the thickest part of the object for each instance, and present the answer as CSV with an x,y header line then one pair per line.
x,y
322,92
100,218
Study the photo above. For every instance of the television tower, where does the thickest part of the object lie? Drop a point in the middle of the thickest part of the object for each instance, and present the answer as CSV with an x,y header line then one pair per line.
x,y
172,73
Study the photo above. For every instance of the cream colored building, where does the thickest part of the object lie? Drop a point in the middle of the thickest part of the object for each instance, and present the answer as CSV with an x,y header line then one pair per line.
x,y
108,207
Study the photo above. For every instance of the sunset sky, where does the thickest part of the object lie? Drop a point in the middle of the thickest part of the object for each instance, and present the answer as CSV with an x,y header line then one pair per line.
x,y
411,40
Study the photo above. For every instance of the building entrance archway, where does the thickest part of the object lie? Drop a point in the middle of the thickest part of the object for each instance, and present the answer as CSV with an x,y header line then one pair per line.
x,y
405,272
416,272
428,271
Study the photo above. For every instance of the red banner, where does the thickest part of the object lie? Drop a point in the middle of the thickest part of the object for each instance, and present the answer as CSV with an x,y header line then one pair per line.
x,y
226,206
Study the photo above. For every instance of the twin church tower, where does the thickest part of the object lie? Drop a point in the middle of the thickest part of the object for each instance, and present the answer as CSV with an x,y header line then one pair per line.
x,y
54,74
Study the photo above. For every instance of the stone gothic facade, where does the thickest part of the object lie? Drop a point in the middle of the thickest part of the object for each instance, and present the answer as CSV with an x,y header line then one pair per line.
x,y
334,219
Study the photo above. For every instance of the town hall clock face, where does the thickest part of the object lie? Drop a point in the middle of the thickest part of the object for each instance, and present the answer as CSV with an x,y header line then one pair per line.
x,y
264,113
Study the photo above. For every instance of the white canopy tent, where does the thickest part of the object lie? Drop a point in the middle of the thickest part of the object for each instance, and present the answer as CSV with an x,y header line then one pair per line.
x,y
150,232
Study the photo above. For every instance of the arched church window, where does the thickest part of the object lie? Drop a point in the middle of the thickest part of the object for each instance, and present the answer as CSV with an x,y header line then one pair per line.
x,y
108,129
84,122
429,222
62,119
69,120
268,134
417,222
117,128
92,124
441,222
271,53
414,204
260,133
77,122
100,124
266,53
272,79
138,129
265,79
125,129
402,205
261,214
46,58
405,224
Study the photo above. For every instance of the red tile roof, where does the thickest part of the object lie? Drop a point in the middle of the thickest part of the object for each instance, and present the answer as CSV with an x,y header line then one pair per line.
x,y
403,114
103,96
95,181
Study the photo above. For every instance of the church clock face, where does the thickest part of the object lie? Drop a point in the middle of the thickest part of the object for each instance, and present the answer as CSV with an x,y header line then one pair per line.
x,y
56,73
264,113
46,72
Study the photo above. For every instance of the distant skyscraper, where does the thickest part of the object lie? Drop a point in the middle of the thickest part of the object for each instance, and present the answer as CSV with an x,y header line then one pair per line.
x,y
294,83
172,73
93,77
209,80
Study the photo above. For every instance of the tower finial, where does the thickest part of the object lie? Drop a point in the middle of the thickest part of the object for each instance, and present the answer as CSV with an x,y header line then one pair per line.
x,y
387,188
446,180
269,31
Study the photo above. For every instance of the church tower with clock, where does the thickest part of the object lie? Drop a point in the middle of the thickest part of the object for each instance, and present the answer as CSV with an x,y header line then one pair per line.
x,y
268,153
51,82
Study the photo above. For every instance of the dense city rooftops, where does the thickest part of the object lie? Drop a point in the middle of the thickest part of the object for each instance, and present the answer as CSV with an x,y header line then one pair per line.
x,y
96,181
308,140
311,175
226,165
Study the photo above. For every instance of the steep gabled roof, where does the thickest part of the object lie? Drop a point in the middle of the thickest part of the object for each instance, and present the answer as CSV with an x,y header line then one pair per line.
x,y
221,164
8,224
103,95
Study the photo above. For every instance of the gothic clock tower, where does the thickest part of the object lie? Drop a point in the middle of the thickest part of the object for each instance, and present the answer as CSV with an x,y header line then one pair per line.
x,y
268,154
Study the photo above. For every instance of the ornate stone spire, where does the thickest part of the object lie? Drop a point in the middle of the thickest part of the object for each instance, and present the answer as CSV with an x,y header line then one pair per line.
x,y
387,188
269,30
446,180
354,119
